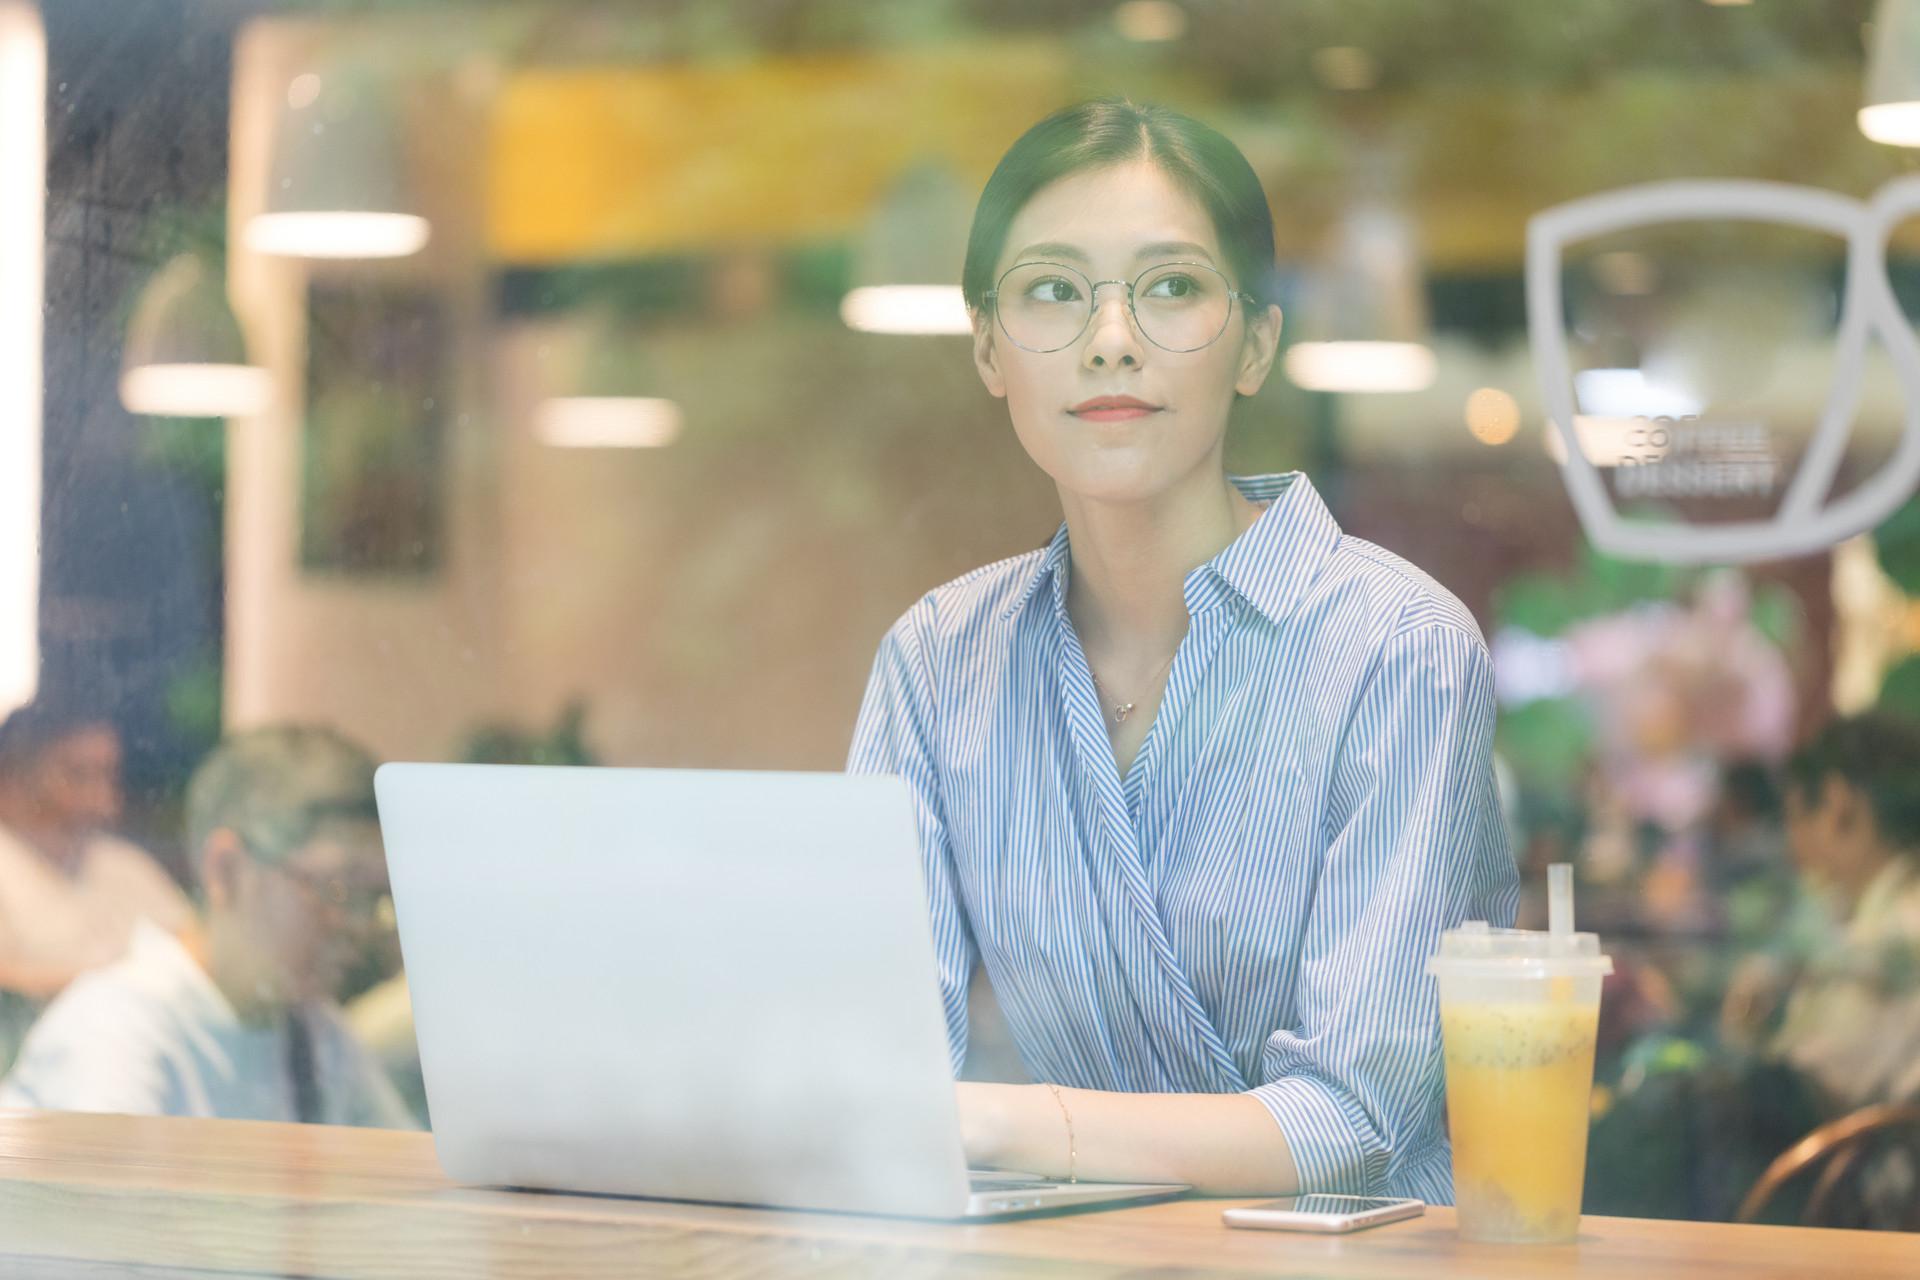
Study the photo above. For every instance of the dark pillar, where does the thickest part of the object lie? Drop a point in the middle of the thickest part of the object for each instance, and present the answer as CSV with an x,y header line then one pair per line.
x,y
131,523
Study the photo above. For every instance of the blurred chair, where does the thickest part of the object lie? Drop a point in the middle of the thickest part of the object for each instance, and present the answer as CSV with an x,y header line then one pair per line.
x,y
1864,1169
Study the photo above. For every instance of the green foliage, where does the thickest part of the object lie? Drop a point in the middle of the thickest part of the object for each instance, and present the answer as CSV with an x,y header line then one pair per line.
x,y
563,744
1547,604
1897,541
1776,615
1660,1054
1548,741
193,702
1545,742
194,448
1900,690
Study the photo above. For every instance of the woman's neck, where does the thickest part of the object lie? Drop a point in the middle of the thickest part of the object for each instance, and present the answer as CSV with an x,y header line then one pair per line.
x,y
1127,593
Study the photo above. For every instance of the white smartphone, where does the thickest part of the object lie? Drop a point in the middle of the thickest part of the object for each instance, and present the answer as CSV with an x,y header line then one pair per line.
x,y
1323,1213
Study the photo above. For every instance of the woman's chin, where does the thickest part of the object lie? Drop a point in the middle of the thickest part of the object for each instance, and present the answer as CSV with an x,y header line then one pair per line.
x,y
1120,476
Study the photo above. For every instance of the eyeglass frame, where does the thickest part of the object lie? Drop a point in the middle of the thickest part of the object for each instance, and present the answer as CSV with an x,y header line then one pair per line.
x,y
1093,304
337,892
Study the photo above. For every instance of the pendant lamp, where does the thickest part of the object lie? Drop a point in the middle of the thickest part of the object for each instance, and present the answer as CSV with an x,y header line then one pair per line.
x,y
185,356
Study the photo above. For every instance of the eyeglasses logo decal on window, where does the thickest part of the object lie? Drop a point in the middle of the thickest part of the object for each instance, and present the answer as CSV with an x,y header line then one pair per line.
x,y
1691,422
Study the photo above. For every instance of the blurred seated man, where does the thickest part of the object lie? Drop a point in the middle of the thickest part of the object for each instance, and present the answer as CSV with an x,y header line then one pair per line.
x,y
1851,1019
69,891
237,1018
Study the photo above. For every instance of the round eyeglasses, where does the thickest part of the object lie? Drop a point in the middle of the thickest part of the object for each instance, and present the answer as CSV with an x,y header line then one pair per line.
x,y
1177,306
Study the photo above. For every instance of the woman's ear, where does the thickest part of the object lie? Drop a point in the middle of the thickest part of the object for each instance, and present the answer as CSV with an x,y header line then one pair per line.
x,y
986,355
1258,349
224,866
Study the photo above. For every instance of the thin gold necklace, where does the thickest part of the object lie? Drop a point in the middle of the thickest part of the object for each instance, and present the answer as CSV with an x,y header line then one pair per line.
x,y
1121,710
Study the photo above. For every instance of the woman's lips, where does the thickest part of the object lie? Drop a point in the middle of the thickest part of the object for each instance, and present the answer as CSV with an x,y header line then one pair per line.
x,y
1112,409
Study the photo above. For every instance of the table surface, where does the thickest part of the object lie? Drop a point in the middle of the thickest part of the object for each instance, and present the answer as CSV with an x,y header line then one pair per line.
x,y
90,1196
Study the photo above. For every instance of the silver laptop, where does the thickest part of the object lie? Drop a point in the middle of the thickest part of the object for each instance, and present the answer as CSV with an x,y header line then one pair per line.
x,y
696,985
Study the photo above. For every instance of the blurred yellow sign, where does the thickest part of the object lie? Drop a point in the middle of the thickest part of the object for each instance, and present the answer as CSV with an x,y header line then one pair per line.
x,y
611,162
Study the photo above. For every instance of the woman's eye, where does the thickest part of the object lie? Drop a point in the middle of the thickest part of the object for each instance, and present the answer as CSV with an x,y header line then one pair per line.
x,y
1173,287
1054,290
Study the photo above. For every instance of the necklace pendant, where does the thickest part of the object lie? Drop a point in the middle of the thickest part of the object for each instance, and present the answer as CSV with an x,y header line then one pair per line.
x,y
1121,712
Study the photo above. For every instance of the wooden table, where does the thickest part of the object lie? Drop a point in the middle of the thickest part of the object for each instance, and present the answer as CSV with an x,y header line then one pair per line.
x,y
92,1196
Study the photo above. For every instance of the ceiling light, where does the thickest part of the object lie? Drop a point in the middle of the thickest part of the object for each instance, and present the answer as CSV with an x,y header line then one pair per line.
x,y
607,422
184,355
337,186
908,256
1891,113
1361,366
610,398
1362,309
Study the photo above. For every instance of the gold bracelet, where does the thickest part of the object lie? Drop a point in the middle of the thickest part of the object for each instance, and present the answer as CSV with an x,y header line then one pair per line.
x,y
1073,1153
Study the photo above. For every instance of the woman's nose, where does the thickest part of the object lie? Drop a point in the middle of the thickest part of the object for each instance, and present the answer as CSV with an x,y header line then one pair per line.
x,y
1113,341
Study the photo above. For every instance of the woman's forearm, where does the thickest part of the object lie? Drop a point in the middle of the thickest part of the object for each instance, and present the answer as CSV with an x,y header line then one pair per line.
x,y
1221,1143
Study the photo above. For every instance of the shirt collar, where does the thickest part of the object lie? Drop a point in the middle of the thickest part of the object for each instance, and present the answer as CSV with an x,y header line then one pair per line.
x,y
1269,566
162,959
1052,558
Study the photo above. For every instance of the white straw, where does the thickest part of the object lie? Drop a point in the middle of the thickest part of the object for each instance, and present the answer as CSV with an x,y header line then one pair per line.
x,y
1560,899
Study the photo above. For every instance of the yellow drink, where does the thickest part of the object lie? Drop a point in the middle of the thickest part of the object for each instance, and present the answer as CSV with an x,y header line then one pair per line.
x,y
1519,1081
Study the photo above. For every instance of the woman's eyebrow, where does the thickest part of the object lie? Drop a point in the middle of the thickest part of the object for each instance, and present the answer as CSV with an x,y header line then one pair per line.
x,y
1159,249
1051,249
1173,249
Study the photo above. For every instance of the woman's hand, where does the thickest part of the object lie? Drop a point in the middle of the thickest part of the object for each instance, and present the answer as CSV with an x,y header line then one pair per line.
x,y
984,1121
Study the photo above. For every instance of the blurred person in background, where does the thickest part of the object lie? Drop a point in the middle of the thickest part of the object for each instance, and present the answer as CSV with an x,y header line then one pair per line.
x,y
1823,1020
238,1018
1746,828
1842,1004
70,890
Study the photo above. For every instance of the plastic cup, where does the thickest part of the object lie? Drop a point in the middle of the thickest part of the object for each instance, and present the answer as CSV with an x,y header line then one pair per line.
x,y
1518,1013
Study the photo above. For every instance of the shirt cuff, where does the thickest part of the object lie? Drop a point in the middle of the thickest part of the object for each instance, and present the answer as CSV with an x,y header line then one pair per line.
x,y
1323,1128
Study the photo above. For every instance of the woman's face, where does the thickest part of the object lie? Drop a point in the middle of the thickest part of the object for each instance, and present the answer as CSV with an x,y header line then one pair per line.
x,y
1110,224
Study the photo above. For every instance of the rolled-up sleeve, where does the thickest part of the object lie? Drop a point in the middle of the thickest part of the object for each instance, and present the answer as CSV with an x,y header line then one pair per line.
x,y
1415,845
895,734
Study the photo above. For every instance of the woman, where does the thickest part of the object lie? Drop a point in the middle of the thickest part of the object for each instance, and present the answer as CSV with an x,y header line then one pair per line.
x,y
1201,781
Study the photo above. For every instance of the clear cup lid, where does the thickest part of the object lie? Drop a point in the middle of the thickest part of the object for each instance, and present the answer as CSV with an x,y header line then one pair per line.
x,y
1475,950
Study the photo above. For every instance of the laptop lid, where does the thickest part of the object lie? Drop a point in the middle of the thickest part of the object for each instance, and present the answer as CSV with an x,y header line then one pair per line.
x,y
690,984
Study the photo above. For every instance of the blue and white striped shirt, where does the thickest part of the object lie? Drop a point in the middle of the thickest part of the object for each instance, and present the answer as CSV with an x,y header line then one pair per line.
x,y
1250,907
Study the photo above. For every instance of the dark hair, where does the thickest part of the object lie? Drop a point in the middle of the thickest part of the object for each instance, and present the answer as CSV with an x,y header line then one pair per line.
x,y
1111,131
31,730
1877,753
1749,786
